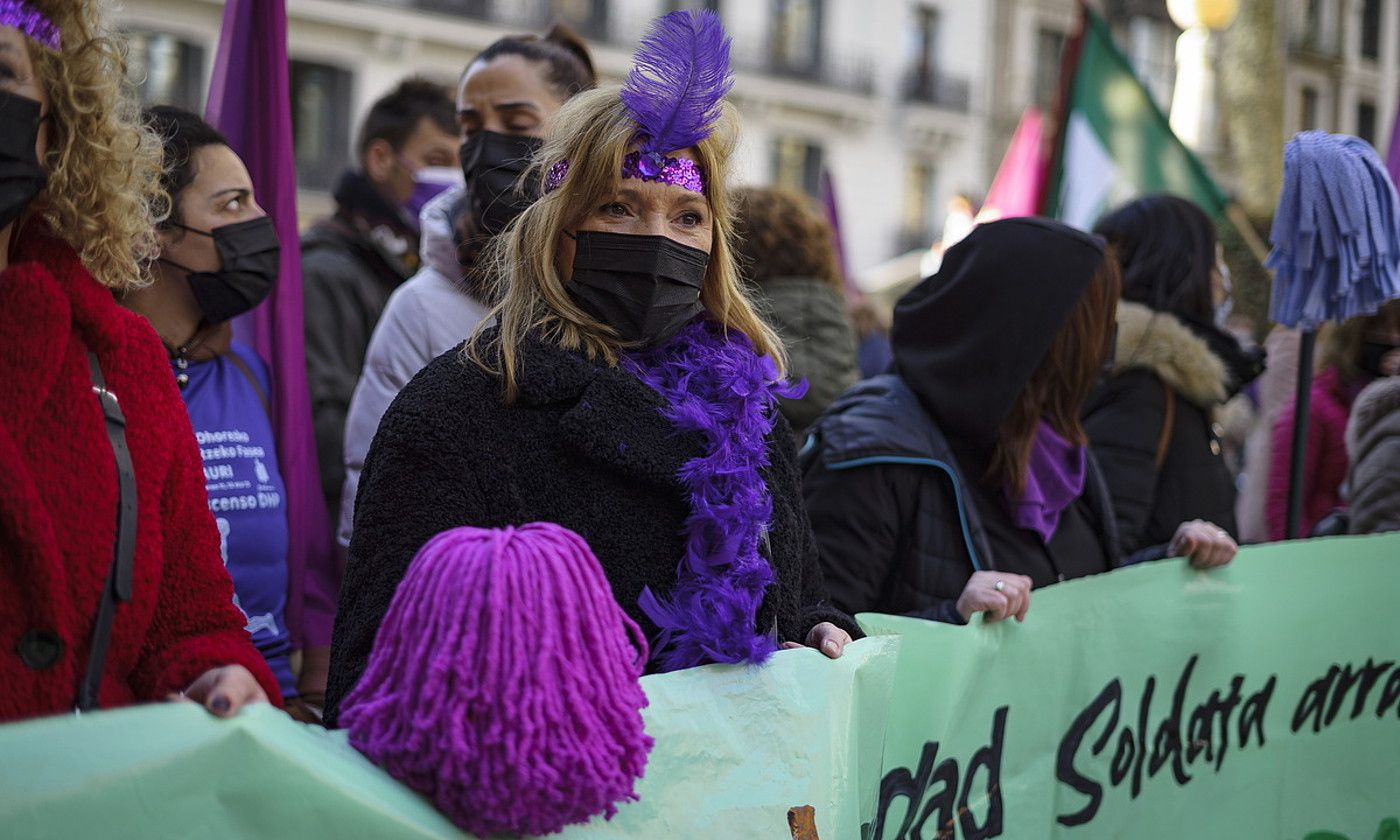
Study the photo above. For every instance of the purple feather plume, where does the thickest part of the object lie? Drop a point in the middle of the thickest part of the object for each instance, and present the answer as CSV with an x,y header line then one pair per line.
x,y
680,75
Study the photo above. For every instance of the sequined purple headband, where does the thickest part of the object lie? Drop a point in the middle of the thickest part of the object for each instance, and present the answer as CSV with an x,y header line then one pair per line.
x,y
28,20
653,166
675,94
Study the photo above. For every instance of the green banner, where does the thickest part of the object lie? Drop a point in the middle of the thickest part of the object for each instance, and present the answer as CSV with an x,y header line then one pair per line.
x,y
1261,700
736,750
1257,701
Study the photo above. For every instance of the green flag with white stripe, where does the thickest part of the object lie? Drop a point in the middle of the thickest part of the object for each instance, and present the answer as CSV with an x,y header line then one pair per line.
x,y
1115,144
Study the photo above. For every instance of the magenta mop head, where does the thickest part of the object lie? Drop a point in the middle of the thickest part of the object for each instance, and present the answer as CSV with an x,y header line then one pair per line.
x,y
504,683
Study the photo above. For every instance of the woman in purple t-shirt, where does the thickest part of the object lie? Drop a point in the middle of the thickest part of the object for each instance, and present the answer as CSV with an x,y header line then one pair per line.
x,y
219,256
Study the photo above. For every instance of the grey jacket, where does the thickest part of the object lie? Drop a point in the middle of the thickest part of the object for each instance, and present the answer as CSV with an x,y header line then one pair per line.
x,y
1373,442
811,318
424,318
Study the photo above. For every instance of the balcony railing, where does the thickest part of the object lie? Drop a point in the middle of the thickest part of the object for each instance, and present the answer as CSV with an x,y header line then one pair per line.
x,y
946,92
843,72
525,14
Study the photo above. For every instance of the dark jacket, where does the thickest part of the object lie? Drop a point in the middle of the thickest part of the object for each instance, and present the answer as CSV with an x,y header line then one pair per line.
x,y
58,498
894,472
350,264
584,446
810,316
900,526
1165,369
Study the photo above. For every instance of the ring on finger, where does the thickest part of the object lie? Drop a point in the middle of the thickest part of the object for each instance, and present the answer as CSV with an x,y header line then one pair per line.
x,y
999,585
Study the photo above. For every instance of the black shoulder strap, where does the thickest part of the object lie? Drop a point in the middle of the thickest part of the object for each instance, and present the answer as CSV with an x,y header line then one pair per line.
x,y
252,380
1100,500
118,584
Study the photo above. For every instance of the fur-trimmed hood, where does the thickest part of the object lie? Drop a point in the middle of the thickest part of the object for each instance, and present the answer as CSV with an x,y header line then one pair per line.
x,y
1204,372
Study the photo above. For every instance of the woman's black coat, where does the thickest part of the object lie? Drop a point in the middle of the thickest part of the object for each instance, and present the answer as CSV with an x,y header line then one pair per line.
x,y
1161,361
584,446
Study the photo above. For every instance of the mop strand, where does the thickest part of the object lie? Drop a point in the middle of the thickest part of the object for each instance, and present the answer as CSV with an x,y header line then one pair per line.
x,y
503,683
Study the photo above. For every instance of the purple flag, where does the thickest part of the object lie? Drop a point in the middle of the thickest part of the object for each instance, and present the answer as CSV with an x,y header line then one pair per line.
x,y
833,217
1392,160
250,102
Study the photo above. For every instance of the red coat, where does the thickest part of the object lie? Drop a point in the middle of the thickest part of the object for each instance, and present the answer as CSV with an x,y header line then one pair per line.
x,y
1325,455
58,499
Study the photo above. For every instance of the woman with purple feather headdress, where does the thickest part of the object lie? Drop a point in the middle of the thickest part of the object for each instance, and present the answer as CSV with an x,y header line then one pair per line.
x,y
624,389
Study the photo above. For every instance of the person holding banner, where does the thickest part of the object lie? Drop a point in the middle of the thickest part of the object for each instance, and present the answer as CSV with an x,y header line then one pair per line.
x,y
625,389
963,480
506,95
1152,423
218,260
112,589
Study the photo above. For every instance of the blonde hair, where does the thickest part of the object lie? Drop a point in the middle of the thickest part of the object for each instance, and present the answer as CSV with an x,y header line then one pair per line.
x,y
103,195
594,132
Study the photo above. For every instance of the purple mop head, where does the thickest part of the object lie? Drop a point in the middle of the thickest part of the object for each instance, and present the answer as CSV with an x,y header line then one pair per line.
x,y
679,78
503,684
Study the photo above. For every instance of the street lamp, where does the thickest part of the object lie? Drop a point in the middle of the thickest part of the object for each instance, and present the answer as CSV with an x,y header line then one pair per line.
x,y
1193,98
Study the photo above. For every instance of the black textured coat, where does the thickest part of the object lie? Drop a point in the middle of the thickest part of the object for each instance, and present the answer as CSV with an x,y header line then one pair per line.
x,y
1197,368
584,446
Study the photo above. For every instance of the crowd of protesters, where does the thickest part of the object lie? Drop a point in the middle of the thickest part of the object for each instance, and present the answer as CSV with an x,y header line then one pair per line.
x,y
522,312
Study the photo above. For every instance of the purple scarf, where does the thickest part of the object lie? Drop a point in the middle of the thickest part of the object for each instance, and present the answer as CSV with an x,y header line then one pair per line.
x,y
717,386
1054,477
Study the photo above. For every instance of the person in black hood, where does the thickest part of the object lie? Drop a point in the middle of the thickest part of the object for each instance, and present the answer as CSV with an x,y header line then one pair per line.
x,y
1152,423
960,481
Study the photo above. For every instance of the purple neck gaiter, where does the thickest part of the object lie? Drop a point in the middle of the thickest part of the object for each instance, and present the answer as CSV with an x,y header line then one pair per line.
x,y
1054,478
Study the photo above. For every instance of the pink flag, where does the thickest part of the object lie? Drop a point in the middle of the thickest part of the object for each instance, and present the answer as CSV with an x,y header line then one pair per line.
x,y
1016,189
250,102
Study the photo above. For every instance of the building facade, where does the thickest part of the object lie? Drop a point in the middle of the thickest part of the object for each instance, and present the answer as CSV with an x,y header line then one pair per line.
x,y
886,98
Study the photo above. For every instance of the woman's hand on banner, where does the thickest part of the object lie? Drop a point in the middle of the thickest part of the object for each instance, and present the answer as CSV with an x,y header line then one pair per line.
x,y
223,691
1205,544
998,594
825,637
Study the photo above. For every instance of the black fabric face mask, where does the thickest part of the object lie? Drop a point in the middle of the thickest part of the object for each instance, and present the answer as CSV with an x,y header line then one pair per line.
x,y
1372,352
20,176
492,163
249,254
645,287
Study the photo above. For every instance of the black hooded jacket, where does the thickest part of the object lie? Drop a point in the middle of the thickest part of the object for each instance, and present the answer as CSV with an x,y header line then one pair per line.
x,y
894,471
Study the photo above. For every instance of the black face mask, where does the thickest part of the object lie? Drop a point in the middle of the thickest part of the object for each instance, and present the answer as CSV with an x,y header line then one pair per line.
x,y
1372,352
20,176
492,164
249,254
645,287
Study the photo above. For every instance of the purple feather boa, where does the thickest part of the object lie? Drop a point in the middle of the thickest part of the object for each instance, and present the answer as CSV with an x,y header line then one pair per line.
x,y
716,385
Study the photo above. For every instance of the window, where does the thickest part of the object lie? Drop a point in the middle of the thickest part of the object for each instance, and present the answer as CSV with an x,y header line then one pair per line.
x,y
923,51
461,8
165,70
797,165
1371,29
1049,45
1152,50
590,17
916,216
320,123
1366,121
797,35
1309,112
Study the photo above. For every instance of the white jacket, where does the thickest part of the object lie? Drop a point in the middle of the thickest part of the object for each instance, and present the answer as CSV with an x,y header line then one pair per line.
x,y
427,316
